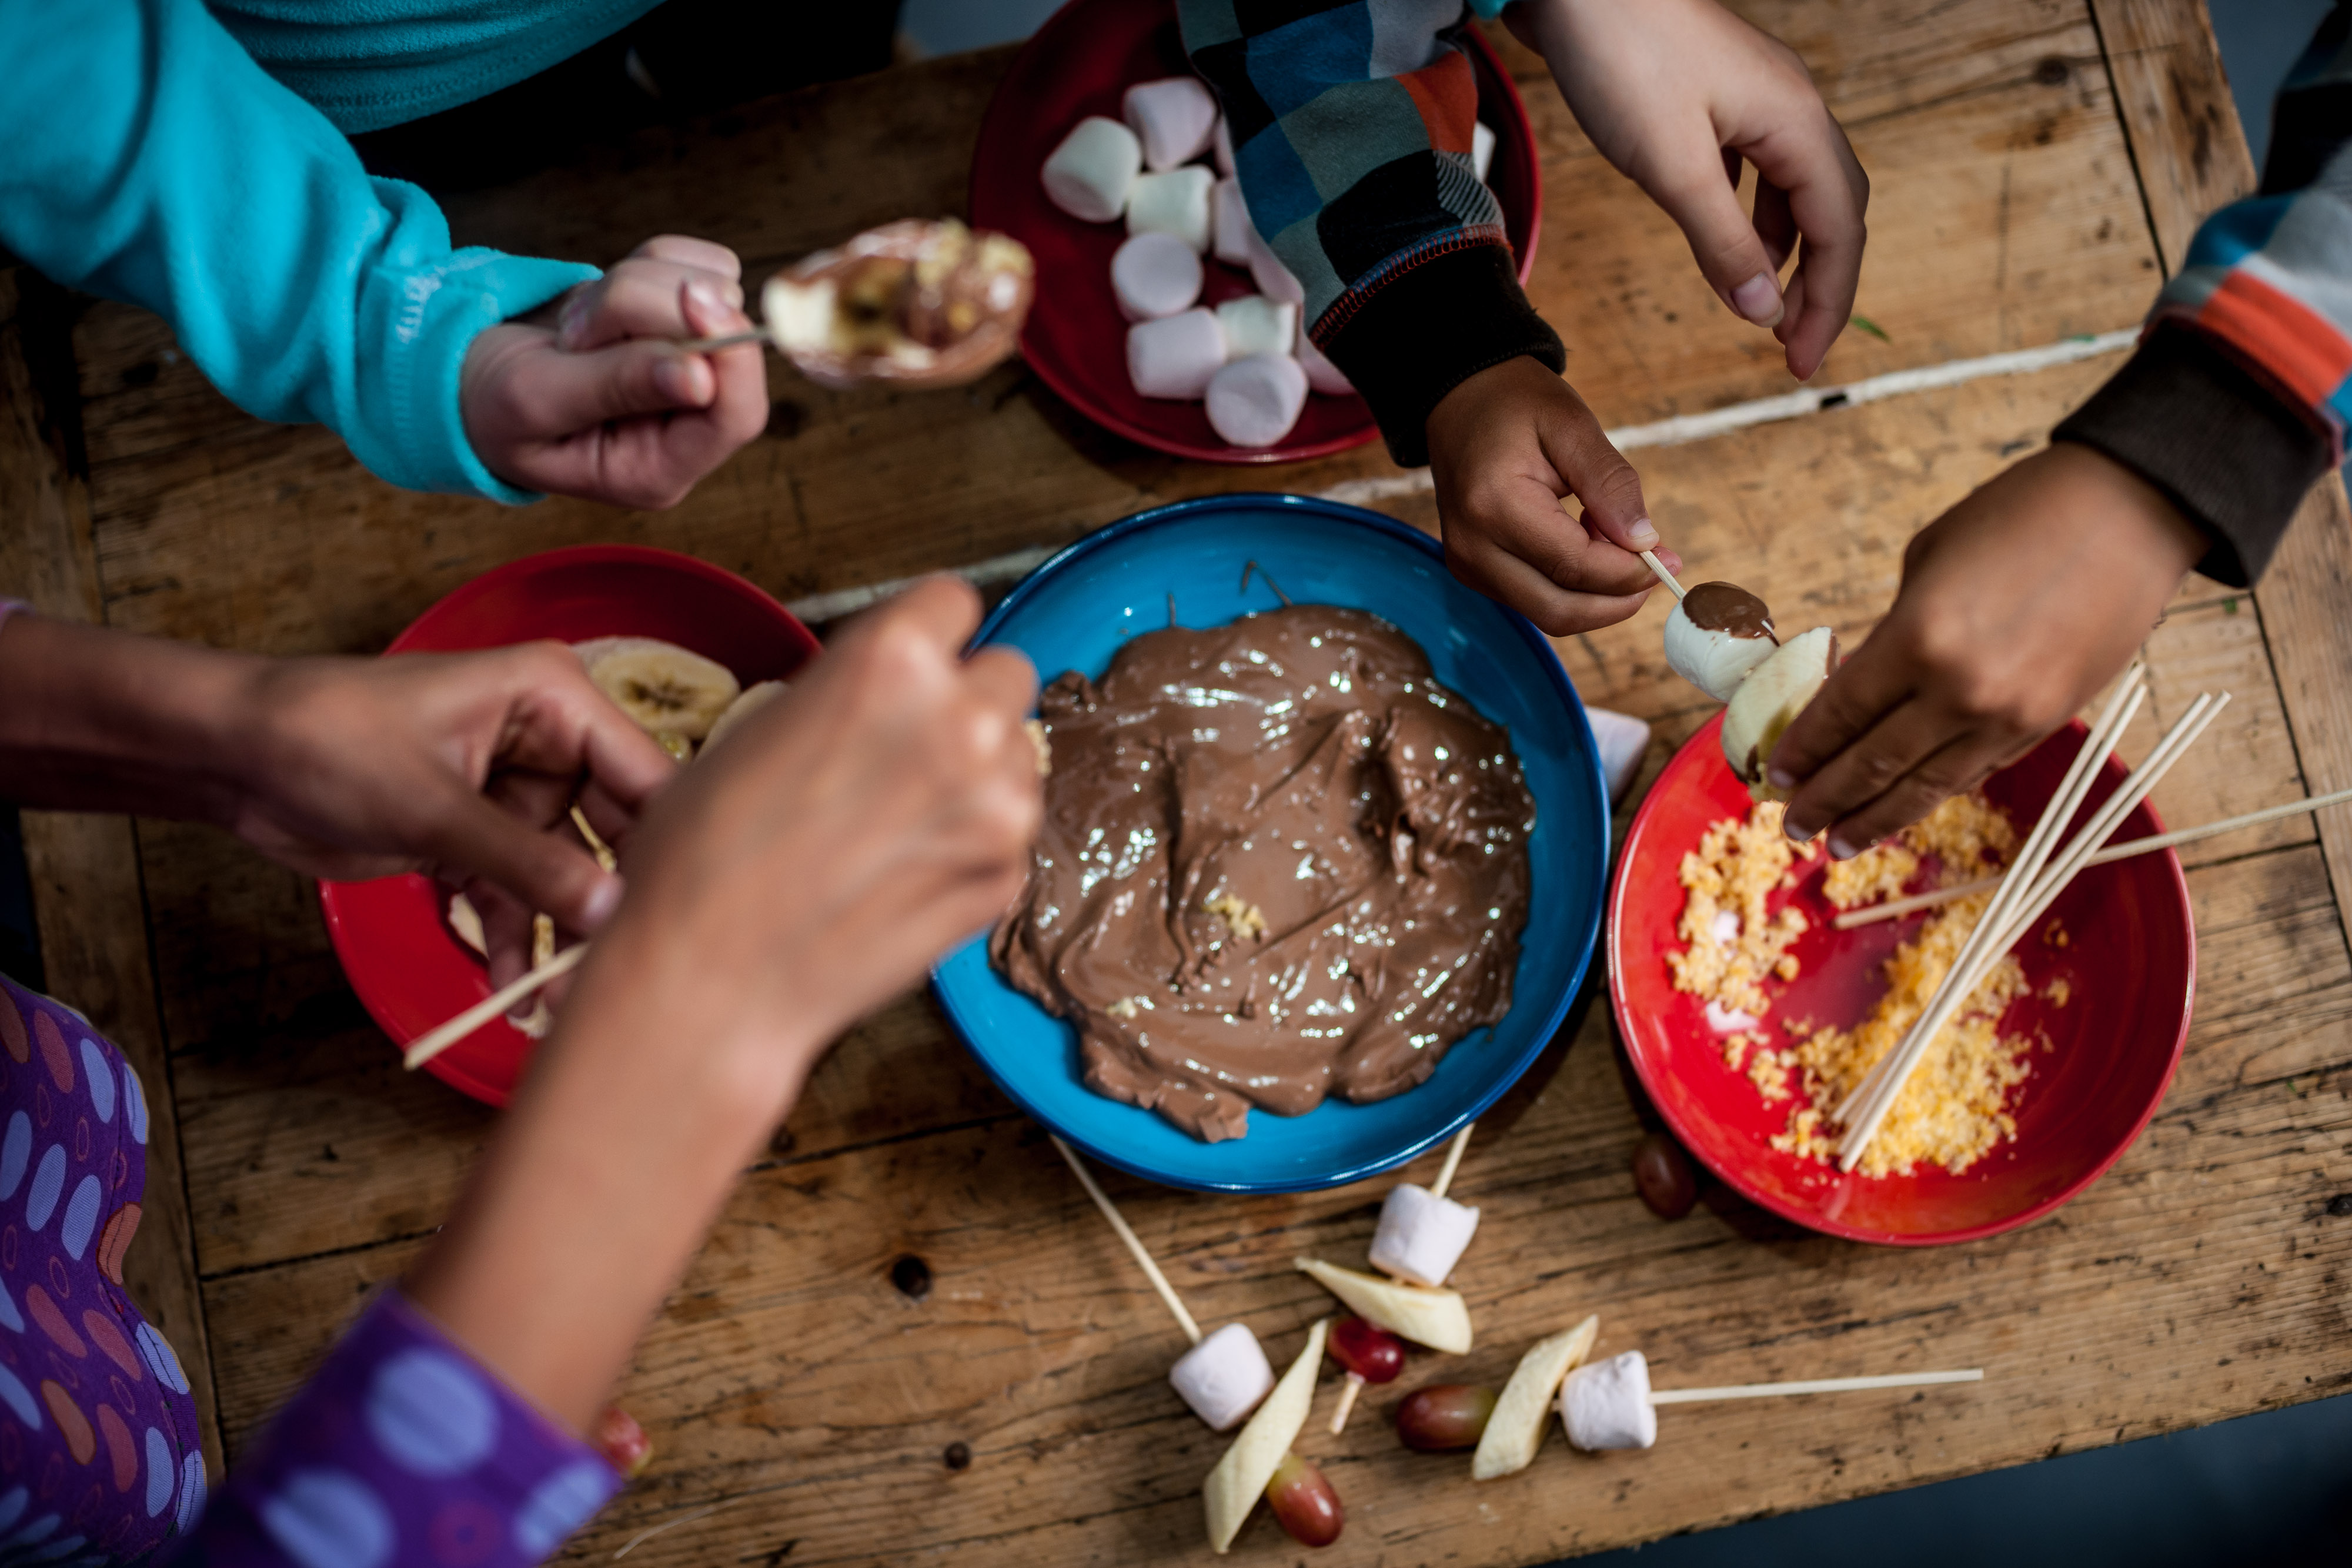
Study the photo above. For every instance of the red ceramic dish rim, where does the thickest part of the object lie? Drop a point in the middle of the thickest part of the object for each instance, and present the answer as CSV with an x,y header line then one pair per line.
x,y
1738,1181
1522,133
367,984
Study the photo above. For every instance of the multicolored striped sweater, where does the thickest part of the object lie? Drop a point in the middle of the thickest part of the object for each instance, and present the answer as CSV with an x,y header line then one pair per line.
x,y
1351,122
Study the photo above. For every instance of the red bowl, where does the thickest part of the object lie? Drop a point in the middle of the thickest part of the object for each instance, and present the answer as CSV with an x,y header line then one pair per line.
x,y
2130,964
1080,63
410,973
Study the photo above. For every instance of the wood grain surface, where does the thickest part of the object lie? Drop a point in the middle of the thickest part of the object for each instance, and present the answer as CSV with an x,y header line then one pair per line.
x,y
2014,169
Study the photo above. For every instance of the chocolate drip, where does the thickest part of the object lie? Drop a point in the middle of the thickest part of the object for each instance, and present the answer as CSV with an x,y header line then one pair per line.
x,y
1279,862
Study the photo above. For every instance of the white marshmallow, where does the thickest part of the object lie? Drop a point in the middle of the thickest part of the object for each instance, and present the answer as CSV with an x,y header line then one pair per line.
x,y
1254,401
1223,1377
1482,149
1606,1403
1273,279
1220,146
1321,374
1175,356
1229,216
1173,117
1257,325
1715,662
1092,173
1623,741
1154,274
1176,202
1421,1235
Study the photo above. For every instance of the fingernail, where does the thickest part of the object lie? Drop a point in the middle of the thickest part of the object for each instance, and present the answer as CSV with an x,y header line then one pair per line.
x,y
1643,534
1758,299
1840,850
708,305
1779,779
568,322
603,899
675,380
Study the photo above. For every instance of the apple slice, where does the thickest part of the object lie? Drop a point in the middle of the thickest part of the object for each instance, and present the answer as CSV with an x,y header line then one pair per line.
x,y
1434,1318
1768,701
1515,1429
1234,1487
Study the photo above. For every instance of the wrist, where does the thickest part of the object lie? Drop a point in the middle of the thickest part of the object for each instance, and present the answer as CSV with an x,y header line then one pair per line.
x,y
2142,520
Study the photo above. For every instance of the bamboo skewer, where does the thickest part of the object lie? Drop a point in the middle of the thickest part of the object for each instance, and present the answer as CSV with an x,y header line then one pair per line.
x,y
1650,559
432,1044
1453,1160
1895,907
1959,986
2122,704
1126,1235
1813,1385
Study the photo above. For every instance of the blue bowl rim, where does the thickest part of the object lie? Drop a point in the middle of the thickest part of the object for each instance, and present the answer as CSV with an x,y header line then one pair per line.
x,y
1176,512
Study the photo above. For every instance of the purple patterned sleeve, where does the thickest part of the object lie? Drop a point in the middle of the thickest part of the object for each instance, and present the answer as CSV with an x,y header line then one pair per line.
x,y
402,1450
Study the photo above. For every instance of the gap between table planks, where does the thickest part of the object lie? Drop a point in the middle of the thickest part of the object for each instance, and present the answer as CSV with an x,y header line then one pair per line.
x,y
1999,177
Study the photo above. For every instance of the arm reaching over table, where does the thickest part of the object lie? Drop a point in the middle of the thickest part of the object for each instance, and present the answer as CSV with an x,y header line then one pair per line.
x,y
2022,602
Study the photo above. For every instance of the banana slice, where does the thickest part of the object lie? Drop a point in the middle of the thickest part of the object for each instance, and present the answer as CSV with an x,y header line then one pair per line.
x,y
466,922
754,697
666,689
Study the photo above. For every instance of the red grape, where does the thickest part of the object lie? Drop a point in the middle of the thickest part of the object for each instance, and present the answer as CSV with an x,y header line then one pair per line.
x,y
623,1442
1373,1355
1304,1503
1445,1415
1663,1175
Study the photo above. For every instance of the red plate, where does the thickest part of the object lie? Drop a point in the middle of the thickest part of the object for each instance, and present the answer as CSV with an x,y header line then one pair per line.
x,y
410,973
1080,63
2130,964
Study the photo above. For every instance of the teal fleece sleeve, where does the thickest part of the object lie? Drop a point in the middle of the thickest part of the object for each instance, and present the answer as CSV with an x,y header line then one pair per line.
x,y
150,160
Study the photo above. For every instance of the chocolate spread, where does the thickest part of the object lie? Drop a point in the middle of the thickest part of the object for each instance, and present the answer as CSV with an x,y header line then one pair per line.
x,y
1728,607
1279,862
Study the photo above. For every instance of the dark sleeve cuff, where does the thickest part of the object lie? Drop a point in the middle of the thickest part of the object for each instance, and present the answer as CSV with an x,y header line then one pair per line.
x,y
1428,329
2229,452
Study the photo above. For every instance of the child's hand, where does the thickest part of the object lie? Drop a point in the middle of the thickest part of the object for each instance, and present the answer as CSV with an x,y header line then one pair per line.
x,y
1506,447
1675,93
2017,606
592,396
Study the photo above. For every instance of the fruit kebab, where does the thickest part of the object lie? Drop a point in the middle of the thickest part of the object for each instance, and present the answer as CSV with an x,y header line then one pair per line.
x,y
1721,638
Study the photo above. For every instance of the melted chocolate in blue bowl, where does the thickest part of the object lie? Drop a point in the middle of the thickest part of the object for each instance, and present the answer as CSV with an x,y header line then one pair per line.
x,y
1076,611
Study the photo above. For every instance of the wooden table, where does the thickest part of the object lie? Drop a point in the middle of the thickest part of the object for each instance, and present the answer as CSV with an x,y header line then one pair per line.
x,y
2037,165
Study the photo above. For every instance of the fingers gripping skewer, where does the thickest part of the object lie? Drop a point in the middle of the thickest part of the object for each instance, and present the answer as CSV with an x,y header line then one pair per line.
x,y
1650,559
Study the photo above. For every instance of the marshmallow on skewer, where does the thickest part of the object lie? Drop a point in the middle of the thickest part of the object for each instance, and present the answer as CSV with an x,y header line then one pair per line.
x,y
1421,1236
1220,146
1154,274
1606,1403
1321,374
1257,325
1176,356
1254,401
1229,217
1274,280
1176,202
1482,149
1173,117
1223,1377
1623,740
1091,174
1716,633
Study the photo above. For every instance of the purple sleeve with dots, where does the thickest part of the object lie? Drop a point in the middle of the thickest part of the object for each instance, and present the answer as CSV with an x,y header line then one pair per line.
x,y
401,1450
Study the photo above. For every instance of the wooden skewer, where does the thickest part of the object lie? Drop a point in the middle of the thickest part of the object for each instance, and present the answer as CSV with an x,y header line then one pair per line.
x,y
1650,557
1895,907
1134,1245
732,340
1453,1160
427,1046
1813,1385
2122,704
1958,988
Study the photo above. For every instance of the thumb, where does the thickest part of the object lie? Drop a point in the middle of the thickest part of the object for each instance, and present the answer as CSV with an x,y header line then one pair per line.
x,y
1730,254
560,394
544,871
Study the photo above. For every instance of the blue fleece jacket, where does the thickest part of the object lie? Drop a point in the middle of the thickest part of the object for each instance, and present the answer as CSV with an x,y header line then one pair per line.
x,y
149,157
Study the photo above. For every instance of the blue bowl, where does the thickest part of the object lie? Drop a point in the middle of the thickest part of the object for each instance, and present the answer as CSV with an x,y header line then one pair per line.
x,y
1074,611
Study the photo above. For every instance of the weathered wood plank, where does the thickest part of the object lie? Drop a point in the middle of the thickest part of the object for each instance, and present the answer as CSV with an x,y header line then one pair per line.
x,y
84,870
2199,1280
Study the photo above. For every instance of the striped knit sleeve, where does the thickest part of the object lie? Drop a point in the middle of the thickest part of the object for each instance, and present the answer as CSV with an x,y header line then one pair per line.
x,y
1351,127
2238,397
